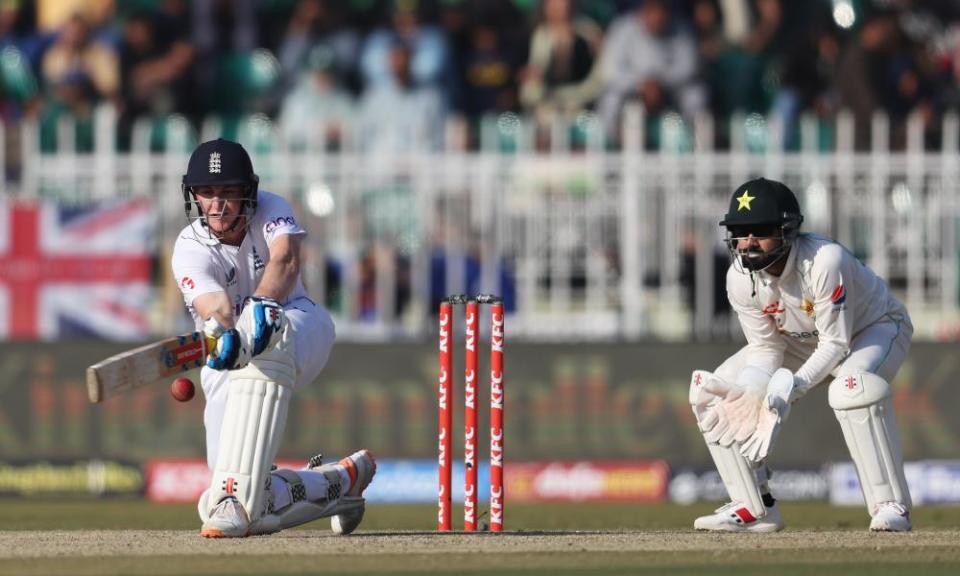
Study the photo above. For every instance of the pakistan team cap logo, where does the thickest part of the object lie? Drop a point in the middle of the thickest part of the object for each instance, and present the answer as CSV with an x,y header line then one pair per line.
x,y
214,162
745,200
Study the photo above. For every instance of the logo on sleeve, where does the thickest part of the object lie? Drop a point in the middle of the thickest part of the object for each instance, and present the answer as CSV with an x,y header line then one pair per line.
x,y
232,276
188,283
773,309
776,310
839,296
278,223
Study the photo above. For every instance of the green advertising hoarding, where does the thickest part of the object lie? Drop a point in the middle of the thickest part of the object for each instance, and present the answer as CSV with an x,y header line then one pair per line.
x,y
563,401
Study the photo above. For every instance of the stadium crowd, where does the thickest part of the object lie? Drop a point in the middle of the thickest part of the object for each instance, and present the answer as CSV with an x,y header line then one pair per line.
x,y
399,68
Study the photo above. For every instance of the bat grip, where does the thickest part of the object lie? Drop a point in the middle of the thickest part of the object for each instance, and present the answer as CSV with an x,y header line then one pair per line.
x,y
210,343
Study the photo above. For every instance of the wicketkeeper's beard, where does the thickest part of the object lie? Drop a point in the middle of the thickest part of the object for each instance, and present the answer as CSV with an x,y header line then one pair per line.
x,y
753,260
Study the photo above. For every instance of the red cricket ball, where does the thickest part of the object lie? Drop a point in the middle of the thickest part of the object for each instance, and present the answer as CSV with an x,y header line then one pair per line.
x,y
182,389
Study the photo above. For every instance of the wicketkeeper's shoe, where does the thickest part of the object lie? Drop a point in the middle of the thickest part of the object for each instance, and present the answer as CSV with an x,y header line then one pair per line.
x,y
734,517
891,517
227,520
361,466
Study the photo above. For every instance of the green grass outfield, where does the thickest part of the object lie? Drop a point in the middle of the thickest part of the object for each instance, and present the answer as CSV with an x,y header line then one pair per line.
x,y
657,539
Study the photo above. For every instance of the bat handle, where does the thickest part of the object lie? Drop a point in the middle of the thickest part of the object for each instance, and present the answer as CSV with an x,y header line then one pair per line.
x,y
210,344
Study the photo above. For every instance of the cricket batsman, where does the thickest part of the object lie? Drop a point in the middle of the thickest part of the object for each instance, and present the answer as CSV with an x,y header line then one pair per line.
x,y
811,313
237,263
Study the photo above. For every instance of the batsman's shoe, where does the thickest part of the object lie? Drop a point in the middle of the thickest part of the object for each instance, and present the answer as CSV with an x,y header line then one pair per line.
x,y
891,517
361,466
734,517
227,520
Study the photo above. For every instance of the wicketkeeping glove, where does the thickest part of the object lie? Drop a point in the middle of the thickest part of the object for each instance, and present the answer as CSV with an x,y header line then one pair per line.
x,y
734,418
781,391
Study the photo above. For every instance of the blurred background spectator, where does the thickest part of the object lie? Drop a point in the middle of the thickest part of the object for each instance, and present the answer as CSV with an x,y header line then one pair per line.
x,y
156,57
737,39
399,113
426,45
316,110
472,59
316,22
808,78
76,55
488,82
562,75
882,68
650,56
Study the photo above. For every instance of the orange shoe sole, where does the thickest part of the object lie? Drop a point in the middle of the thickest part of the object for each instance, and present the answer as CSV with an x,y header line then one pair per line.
x,y
218,533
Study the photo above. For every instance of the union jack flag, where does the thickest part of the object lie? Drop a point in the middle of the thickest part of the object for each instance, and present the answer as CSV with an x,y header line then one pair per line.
x,y
75,272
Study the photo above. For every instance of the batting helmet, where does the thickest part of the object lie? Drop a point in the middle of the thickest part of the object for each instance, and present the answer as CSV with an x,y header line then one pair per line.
x,y
220,163
758,206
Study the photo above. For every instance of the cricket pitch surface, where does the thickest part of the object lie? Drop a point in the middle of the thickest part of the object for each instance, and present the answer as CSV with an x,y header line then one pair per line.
x,y
530,552
120,536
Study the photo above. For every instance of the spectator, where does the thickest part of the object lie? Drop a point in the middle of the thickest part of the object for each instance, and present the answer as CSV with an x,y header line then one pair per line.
x,y
313,22
428,47
488,74
399,115
317,107
10,15
55,14
506,283
879,70
736,45
563,73
809,72
649,57
75,53
947,55
18,84
154,72
224,26
380,263
72,94
220,28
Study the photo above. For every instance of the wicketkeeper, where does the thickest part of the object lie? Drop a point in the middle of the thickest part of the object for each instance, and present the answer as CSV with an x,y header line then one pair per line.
x,y
237,263
811,312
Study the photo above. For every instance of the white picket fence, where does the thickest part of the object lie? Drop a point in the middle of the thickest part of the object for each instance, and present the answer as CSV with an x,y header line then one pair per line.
x,y
592,243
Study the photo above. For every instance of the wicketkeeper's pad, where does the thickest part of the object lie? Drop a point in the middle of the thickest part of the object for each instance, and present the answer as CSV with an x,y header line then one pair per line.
x,y
738,476
863,406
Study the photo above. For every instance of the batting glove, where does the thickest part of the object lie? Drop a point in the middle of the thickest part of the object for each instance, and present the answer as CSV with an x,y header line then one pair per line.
x,y
229,352
261,324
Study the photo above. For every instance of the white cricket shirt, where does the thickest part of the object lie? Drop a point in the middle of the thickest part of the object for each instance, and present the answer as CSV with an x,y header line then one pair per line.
x,y
201,264
823,299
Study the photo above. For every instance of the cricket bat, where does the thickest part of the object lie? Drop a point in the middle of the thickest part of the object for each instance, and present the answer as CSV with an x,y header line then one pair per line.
x,y
146,365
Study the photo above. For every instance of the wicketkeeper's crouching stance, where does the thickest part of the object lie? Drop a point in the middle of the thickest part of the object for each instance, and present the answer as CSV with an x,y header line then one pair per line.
x,y
809,310
238,266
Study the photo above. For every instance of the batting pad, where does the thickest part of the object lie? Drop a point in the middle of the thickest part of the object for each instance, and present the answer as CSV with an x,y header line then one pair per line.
x,y
253,424
300,510
863,406
738,476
